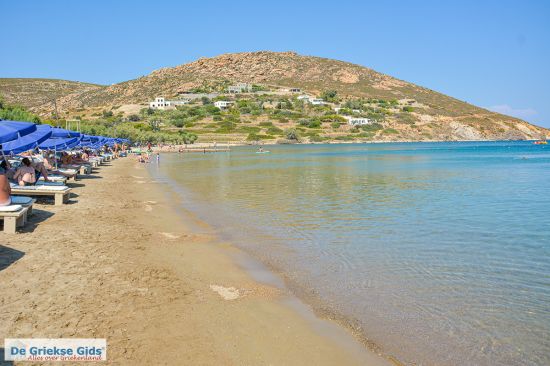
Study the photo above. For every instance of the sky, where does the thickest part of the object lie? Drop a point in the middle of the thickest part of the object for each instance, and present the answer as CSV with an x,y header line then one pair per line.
x,y
494,54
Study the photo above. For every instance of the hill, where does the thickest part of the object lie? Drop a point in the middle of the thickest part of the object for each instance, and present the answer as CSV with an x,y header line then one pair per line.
x,y
39,94
401,110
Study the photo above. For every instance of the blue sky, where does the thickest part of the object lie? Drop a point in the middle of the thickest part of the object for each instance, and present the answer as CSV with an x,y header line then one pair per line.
x,y
494,54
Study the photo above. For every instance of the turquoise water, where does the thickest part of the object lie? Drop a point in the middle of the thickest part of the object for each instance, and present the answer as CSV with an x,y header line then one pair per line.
x,y
439,252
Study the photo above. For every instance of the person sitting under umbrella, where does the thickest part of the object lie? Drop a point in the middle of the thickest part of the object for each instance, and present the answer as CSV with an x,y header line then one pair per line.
x,y
26,174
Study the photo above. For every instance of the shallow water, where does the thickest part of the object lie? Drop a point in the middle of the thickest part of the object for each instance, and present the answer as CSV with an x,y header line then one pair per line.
x,y
440,251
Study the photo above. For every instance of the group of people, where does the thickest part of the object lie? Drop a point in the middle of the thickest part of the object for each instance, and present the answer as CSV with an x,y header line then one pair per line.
x,y
34,164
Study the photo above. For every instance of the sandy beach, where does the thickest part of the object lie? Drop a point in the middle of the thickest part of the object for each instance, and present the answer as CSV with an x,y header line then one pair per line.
x,y
119,262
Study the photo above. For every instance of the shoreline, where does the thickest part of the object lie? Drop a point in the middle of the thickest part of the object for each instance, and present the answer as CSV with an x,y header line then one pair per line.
x,y
123,265
209,147
299,297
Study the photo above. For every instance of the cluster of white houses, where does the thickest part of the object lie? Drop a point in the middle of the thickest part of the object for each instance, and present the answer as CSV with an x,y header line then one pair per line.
x,y
162,103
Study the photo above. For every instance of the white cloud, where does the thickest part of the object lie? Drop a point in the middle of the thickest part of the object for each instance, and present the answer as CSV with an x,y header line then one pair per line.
x,y
523,113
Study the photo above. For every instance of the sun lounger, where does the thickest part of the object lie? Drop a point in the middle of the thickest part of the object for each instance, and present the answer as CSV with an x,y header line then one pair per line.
x,y
44,183
13,216
27,202
61,193
69,171
85,169
54,178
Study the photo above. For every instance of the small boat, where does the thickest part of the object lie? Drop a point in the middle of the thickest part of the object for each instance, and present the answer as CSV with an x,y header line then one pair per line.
x,y
541,142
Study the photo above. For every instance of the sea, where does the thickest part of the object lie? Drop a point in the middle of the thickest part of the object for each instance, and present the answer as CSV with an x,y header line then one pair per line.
x,y
438,253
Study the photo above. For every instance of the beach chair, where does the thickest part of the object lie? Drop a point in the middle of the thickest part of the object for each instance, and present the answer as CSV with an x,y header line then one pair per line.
x,y
69,171
14,216
60,193
27,202
85,169
55,178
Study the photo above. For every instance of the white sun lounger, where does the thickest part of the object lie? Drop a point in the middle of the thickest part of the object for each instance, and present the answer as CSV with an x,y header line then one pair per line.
x,y
55,178
69,171
13,216
61,193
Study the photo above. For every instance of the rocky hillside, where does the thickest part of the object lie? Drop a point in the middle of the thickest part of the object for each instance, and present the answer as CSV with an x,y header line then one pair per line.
x,y
39,94
435,116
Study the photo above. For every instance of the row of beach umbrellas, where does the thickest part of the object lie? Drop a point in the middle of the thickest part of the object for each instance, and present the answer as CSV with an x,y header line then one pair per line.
x,y
17,137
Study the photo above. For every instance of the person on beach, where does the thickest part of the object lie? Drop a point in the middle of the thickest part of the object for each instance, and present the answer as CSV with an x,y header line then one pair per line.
x,y
25,175
158,158
7,169
5,191
49,166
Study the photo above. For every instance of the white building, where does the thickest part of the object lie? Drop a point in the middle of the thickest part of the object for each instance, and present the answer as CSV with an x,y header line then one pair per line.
x,y
161,103
303,97
316,101
240,88
353,121
223,104
294,90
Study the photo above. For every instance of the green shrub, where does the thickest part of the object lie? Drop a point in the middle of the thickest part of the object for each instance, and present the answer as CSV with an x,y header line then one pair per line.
x,y
345,138
314,124
225,127
317,138
332,118
249,129
292,134
256,137
373,127
274,131
330,95
408,109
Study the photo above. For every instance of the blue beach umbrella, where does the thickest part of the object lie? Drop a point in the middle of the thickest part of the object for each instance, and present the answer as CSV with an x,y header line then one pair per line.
x,y
28,142
59,143
11,130
61,132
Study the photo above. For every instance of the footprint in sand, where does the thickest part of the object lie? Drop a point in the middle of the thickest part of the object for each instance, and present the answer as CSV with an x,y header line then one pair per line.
x,y
171,236
148,208
227,293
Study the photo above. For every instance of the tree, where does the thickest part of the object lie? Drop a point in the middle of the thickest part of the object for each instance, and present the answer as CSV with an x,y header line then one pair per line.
x,y
292,134
330,95
107,114
206,100
133,118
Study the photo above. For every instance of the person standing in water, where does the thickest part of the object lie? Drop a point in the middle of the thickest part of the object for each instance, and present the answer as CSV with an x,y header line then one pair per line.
x,y
158,157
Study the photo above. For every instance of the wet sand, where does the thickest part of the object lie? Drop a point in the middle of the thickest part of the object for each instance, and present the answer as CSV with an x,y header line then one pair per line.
x,y
119,262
